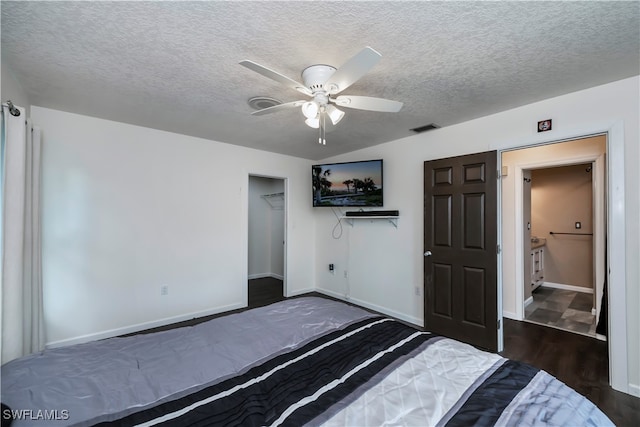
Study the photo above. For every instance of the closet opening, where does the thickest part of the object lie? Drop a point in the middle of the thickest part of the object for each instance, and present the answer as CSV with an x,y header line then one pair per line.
x,y
266,240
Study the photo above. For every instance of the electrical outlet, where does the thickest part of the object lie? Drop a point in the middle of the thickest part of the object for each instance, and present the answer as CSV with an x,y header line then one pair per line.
x,y
164,290
418,291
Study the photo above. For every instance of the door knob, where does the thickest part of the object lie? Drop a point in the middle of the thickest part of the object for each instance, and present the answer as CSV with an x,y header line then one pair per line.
x,y
427,253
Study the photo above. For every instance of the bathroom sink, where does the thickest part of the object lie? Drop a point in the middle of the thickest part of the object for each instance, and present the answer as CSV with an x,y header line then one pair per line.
x,y
536,242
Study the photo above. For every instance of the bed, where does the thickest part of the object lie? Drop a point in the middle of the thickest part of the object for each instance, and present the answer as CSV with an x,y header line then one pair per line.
x,y
303,361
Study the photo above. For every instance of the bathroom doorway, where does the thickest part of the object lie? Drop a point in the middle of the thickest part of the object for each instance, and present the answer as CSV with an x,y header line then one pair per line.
x,y
560,201
558,213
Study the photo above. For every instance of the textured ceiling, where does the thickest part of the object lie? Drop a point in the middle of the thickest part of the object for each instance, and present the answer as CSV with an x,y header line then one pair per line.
x,y
174,65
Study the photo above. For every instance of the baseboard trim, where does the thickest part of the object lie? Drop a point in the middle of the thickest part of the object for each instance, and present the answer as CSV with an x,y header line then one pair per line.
x,y
634,390
300,292
411,319
141,326
567,287
528,301
332,294
263,275
510,315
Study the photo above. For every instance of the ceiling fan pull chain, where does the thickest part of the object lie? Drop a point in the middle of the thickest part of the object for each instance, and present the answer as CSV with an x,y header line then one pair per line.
x,y
324,127
321,132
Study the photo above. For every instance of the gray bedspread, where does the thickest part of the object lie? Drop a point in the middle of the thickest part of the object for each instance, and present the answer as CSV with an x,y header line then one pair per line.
x,y
304,361
86,383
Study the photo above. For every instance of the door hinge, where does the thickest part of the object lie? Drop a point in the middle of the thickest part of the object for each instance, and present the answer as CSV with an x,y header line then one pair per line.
x,y
498,323
498,249
498,176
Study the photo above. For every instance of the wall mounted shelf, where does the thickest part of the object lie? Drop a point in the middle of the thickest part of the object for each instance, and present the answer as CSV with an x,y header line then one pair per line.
x,y
275,200
392,219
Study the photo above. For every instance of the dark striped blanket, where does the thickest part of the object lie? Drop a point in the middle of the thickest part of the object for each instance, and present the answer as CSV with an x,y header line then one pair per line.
x,y
314,383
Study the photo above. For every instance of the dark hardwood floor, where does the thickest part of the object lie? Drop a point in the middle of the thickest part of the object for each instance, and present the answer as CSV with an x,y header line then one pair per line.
x,y
579,361
264,291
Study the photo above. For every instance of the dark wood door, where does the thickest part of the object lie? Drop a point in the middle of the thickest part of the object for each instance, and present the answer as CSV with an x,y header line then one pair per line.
x,y
460,238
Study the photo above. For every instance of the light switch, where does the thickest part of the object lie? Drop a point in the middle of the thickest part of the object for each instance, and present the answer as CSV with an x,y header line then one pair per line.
x,y
578,225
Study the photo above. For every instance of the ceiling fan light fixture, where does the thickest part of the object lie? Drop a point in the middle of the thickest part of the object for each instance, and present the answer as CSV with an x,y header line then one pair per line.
x,y
310,109
334,114
313,122
321,82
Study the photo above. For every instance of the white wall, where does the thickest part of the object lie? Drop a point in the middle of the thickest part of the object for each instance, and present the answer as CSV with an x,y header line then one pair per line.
x,y
401,254
128,209
12,90
266,229
277,242
259,228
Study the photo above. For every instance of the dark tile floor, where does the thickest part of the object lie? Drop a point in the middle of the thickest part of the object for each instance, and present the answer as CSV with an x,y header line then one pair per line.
x,y
568,310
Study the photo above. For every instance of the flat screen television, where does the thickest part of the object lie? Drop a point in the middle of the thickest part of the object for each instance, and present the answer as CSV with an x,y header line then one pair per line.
x,y
348,184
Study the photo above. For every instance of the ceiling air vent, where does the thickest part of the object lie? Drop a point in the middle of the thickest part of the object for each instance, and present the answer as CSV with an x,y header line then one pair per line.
x,y
262,102
425,128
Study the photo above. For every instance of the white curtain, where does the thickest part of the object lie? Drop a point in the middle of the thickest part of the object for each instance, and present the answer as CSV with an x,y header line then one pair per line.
x,y
21,311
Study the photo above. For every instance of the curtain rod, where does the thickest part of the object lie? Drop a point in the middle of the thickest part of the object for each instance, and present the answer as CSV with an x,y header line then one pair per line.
x,y
12,109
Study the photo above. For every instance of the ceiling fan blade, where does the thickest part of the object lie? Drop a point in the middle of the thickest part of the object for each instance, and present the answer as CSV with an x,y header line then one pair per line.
x,y
274,75
352,70
368,103
279,107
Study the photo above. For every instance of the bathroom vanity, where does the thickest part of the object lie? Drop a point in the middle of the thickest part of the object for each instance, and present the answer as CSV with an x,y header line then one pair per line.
x,y
538,246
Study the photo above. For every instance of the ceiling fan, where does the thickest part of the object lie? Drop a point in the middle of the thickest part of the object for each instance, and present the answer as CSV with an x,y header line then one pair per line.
x,y
323,83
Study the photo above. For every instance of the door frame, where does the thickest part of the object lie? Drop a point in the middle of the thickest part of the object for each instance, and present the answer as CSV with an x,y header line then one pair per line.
x,y
245,231
616,227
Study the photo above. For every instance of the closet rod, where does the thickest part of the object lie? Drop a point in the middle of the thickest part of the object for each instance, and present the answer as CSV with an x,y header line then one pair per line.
x,y
573,234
